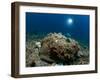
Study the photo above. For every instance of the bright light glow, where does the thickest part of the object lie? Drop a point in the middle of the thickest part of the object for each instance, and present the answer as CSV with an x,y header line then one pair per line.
x,y
70,21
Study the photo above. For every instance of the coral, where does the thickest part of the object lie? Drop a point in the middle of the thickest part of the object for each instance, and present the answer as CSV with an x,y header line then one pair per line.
x,y
29,58
55,49
59,48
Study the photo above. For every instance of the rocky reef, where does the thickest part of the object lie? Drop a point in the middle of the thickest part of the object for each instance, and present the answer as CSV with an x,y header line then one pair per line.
x,y
55,49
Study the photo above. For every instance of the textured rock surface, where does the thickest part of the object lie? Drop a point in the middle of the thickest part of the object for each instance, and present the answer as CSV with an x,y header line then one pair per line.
x,y
59,48
55,49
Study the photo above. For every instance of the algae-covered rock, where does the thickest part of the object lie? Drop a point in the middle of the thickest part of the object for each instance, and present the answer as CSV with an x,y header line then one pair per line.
x,y
58,48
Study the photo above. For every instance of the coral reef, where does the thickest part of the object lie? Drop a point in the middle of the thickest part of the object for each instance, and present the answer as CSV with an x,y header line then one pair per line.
x,y
55,49
59,48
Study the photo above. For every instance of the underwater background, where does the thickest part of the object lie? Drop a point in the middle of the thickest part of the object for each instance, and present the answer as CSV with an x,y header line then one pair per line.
x,y
57,39
70,25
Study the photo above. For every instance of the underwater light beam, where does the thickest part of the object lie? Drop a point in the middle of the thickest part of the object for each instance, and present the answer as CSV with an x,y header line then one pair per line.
x,y
69,21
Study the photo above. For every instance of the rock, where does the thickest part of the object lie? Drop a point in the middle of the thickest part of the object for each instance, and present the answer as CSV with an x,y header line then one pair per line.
x,y
83,52
47,59
80,54
30,61
55,49
59,48
38,44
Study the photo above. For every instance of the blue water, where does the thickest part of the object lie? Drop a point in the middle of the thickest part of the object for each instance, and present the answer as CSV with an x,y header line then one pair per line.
x,y
75,26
